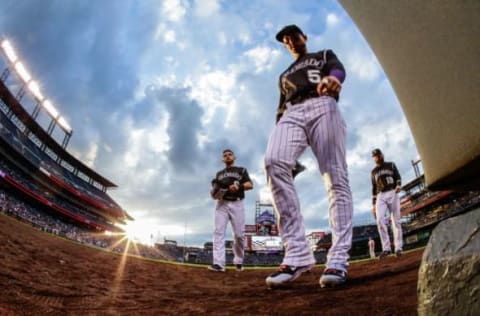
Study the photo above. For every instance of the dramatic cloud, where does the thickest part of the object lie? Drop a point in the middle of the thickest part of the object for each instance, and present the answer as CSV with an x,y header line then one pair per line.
x,y
154,91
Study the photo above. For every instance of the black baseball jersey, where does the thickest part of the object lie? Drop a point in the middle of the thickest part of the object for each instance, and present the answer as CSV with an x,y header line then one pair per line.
x,y
228,176
385,177
302,77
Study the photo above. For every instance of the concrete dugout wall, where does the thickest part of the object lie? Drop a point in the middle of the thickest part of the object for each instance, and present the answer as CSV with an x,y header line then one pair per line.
x,y
430,51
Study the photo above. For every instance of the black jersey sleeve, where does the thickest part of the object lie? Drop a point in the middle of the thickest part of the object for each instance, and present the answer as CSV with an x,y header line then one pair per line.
x,y
374,188
332,62
396,175
245,176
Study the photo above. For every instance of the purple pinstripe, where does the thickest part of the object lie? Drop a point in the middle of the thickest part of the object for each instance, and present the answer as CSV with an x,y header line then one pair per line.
x,y
234,212
317,123
389,200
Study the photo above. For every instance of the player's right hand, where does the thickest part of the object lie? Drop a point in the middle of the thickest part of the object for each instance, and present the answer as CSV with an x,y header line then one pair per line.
x,y
329,85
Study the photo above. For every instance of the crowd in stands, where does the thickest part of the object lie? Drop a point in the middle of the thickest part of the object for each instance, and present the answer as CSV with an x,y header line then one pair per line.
x,y
15,208
457,204
251,258
49,223
363,232
54,224
29,149
39,219
41,189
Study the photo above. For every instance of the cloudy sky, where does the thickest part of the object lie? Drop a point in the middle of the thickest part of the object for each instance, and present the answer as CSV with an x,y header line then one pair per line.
x,y
155,90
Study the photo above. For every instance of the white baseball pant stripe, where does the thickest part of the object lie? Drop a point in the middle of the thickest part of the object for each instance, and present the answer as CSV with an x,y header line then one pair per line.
x,y
389,200
316,122
234,212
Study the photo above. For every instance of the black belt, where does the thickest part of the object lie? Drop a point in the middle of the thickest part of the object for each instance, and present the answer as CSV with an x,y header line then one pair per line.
x,y
386,190
304,96
232,199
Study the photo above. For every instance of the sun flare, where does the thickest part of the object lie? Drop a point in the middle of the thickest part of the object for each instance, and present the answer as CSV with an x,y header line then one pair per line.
x,y
140,231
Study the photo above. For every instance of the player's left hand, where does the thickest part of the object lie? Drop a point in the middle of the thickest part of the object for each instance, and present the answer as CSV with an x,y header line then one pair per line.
x,y
398,189
329,85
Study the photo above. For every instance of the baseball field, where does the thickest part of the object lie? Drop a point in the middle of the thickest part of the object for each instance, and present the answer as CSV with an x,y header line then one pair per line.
x,y
45,275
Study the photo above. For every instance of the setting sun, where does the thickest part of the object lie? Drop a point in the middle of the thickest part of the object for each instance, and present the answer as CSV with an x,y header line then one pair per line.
x,y
140,231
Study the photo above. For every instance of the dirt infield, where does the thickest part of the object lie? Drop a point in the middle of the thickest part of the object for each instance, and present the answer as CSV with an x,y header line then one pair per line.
x,y
45,275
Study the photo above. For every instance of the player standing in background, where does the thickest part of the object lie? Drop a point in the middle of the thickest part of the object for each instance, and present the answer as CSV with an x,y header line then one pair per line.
x,y
371,247
308,115
230,208
386,183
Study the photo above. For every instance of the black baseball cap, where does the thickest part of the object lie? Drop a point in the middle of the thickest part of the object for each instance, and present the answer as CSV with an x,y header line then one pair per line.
x,y
376,152
288,30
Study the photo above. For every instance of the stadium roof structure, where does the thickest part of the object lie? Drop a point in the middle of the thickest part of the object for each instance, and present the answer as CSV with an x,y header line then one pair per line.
x,y
414,183
10,100
429,50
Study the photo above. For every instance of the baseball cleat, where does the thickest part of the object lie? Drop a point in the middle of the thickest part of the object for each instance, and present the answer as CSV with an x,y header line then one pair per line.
x,y
333,278
384,254
239,267
398,253
216,268
285,274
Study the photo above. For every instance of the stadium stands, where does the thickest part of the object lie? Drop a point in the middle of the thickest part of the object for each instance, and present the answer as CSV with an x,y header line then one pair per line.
x,y
42,184
34,165
49,222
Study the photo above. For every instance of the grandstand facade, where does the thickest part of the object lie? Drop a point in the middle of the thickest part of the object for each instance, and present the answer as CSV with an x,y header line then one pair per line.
x,y
423,209
36,169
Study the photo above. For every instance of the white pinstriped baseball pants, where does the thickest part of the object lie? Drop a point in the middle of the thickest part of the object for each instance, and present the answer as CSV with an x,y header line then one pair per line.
x,y
234,212
317,123
389,200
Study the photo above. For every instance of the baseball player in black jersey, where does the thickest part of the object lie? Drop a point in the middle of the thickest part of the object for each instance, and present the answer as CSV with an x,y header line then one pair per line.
x,y
308,115
386,183
234,181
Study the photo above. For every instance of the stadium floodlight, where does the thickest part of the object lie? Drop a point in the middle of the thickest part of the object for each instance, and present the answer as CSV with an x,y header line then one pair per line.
x,y
50,108
8,50
22,72
35,89
64,124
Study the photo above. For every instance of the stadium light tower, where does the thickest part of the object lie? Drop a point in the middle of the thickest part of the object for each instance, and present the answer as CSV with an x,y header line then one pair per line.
x,y
416,168
34,88
9,51
22,72
53,112
63,123
50,109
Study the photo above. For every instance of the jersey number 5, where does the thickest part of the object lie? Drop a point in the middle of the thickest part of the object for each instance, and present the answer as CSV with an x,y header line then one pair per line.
x,y
314,75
